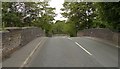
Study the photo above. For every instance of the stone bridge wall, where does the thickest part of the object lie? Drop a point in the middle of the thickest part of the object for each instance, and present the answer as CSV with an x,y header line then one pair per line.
x,y
15,38
101,33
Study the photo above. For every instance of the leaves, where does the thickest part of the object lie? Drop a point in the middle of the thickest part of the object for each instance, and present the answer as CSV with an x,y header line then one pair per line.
x,y
85,15
109,12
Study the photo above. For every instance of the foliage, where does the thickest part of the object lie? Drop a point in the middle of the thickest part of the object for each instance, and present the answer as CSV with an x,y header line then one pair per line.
x,y
85,15
110,13
61,27
20,14
57,28
9,15
79,14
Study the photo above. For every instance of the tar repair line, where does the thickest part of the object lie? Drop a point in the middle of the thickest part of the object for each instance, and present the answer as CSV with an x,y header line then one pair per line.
x,y
83,48
25,62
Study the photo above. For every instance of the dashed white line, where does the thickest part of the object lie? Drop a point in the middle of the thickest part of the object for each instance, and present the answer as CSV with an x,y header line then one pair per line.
x,y
83,48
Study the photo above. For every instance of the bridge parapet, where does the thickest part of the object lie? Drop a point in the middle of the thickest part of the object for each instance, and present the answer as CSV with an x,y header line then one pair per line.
x,y
102,33
14,38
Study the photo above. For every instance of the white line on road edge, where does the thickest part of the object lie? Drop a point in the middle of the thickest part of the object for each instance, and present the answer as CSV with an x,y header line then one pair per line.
x,y
100,40
83,48
25,62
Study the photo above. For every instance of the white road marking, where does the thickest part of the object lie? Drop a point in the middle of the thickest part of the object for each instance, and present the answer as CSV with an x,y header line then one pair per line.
x,y
100,40
83,48
25,62
69,38
117,46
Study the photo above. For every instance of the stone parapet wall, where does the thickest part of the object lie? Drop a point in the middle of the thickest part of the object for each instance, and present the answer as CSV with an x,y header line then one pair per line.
x,y
15,38
101,33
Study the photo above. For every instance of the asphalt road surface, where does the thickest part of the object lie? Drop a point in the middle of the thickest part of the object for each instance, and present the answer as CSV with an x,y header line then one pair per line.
x,y
75,52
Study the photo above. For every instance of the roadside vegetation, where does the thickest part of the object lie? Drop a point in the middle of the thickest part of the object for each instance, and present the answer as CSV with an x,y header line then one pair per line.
x,y
92,15
80,16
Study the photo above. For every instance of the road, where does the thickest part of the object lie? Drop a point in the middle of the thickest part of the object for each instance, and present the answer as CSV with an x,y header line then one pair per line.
x,y
74,52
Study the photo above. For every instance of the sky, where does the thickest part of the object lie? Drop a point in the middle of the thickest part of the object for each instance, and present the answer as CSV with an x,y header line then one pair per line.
x,y
58,5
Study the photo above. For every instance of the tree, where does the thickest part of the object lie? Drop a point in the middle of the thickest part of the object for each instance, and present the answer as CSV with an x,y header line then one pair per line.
x,y
46,17
109,13
9,15
85,15
81,14
26,13
69,29
57,28
20,14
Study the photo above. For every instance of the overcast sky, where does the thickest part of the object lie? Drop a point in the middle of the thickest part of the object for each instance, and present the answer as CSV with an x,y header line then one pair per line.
x,y
58,5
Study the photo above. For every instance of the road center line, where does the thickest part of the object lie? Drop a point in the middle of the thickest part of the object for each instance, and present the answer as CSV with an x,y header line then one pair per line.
x,y
83,48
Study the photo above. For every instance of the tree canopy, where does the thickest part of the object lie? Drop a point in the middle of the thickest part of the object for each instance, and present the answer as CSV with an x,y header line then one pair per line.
x,y
109,12
86,15
81,15
22,14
